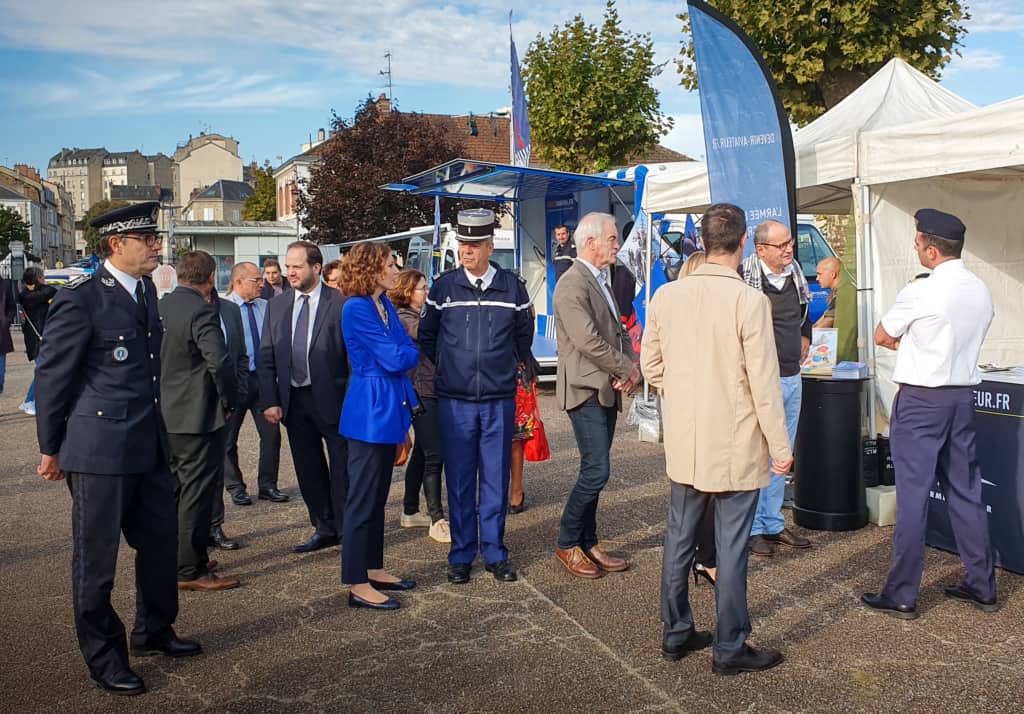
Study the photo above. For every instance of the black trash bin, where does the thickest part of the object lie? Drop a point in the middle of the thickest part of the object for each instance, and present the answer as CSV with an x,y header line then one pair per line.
x,y
829,490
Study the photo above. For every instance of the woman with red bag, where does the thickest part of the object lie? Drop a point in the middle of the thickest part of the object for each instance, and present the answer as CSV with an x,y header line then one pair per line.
x,y
522,434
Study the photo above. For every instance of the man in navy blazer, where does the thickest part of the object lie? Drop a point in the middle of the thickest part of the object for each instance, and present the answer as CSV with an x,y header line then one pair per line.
x,y
303,372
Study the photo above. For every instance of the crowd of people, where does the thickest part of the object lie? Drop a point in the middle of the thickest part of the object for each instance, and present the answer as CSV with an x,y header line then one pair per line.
x,y
139,403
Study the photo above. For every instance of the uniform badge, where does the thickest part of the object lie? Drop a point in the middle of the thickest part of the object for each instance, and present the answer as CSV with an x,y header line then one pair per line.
x,y
120,352
109,282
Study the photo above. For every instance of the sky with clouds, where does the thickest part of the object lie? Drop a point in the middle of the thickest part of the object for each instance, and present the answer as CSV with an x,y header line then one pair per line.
x,y
126,75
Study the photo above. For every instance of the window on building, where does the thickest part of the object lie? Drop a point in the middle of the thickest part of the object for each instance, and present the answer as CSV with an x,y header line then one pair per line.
x,y
235,215
208,214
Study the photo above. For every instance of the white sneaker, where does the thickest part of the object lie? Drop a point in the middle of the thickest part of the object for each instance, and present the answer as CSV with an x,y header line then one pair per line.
x,y
28,407
440,532
416,520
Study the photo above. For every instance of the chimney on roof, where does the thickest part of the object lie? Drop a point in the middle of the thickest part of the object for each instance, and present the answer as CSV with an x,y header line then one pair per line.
x,y
321,135
27,171
383,103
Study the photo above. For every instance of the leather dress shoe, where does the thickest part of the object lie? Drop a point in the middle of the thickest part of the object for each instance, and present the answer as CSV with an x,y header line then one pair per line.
x,y
503,571
315,542
607,563
389,604
123,684
696,640
761,546
959,592
272,494
577,563
208,583
219,540
400,585
241,498
788,538
173,647
458,574
747,660
877,601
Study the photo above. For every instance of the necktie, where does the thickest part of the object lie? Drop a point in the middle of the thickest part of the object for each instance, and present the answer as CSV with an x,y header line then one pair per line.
x,y
480,284
300,344
606,285
254,335
140,299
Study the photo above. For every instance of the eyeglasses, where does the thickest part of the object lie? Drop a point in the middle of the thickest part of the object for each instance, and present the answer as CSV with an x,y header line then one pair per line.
x,y
150,239
253,280
420,290
780,246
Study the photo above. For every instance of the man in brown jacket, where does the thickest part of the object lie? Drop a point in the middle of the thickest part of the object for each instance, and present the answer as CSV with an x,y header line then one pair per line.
x,y
709,349
595,367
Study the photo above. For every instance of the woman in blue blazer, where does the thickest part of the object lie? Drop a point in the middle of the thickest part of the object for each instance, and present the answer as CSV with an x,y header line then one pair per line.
x,y
375,417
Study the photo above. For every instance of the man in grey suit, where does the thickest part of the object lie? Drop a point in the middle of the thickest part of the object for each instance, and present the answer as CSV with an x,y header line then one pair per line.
x,y
595,368
198,388
234,338
303,373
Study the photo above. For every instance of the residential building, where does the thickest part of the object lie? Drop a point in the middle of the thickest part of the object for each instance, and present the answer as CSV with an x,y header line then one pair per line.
x,y
123,168
31,211
222,201
291,178
202,161
80,172
65,208
160,171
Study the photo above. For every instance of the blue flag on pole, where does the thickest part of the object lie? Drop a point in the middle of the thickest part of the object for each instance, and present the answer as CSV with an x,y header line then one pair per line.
x,y
520,119
746,131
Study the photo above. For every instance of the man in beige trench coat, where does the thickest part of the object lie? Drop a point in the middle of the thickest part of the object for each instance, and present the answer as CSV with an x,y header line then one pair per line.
x,y
709,348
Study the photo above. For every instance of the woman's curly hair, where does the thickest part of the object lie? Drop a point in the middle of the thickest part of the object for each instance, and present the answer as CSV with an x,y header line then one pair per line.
x,y
362,267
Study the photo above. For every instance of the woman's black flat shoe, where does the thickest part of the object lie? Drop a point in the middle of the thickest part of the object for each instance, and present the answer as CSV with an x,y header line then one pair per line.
x,y
389,604
519,508
400,585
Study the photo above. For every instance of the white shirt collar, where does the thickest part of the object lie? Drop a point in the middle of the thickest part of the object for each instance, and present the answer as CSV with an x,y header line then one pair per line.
x,y
486,277
126,280
236,298
768,271
314,294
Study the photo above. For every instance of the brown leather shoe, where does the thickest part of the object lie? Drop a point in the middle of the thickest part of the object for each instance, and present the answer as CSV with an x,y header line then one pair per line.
x,y
607,563
760,546
577,563
787,537
208,583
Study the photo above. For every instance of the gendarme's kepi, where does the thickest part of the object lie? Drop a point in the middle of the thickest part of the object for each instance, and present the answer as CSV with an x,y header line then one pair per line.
x,y
475,225
139,218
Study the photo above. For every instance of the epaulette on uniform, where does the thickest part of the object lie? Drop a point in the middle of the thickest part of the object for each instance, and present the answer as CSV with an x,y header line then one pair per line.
x,y
78,281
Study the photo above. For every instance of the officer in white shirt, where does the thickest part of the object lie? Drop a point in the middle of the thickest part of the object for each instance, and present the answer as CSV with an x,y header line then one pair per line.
x,y
937,327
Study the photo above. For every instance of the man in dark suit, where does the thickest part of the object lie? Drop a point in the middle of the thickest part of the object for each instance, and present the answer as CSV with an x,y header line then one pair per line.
x,y
245,290
303,372
99,423
199,389
234,337
8,310
274,283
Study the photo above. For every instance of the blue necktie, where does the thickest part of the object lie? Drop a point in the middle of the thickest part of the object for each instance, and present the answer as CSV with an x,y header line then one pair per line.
x,y
254,335
300,344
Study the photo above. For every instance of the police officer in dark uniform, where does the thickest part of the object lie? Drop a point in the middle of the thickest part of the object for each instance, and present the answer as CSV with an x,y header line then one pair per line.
x,y
477,329
98,422
565,253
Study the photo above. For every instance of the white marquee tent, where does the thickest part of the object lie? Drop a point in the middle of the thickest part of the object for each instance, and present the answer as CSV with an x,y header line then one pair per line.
x,y
899,143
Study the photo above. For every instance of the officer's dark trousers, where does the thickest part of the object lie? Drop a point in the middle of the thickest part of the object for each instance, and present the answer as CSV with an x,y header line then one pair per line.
x,y
477,438
932,438
141,506
594,427
369,469
197,461
734,514
323,488
270,451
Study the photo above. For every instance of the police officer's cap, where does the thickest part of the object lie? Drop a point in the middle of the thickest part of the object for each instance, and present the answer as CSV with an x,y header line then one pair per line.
x,y
475,225
139,218
939,224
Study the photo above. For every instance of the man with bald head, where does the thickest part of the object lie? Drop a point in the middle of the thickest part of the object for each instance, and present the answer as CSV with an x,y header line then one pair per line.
x,y
246,285
828,278
773,270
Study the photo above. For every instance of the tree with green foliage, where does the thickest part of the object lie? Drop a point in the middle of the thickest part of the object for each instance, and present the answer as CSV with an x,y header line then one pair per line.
x,y
262,204
12,227
819,51
89,234
590,97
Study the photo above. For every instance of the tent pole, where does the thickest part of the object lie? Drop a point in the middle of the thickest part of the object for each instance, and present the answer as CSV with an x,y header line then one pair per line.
x,y
866,302
649,268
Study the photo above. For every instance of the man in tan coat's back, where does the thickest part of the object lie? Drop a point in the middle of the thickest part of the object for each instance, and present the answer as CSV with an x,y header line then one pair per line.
x,y
709,348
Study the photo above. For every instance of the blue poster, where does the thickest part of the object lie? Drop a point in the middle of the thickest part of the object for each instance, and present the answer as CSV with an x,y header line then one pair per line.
x,y
746,131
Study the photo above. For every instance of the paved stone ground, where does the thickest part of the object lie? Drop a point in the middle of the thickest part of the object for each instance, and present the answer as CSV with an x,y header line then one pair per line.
x,y
286,641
